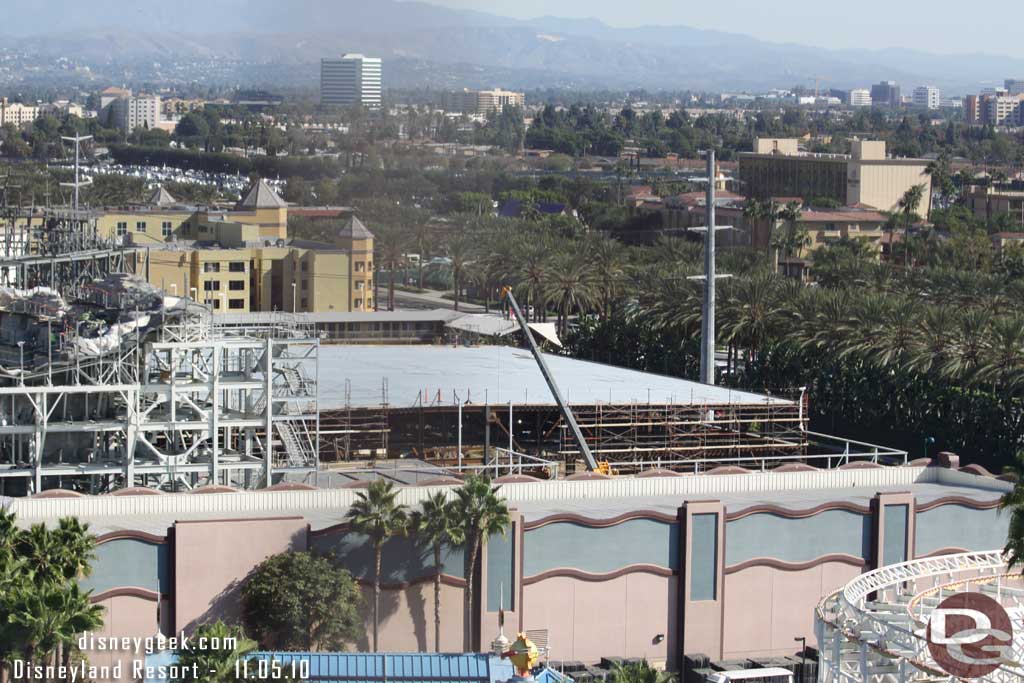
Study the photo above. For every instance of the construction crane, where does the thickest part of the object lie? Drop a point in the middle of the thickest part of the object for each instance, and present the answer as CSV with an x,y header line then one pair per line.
x,y
567,415
817,83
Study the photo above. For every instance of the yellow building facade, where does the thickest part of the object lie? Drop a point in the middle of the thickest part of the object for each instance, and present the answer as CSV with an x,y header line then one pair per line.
x,y
242,260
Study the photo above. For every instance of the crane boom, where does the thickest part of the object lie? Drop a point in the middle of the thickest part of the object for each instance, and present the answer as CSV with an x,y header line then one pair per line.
x,y
567,415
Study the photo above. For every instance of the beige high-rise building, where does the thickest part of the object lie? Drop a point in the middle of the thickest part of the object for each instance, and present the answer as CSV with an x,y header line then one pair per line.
x,y
866,177
482,102
243,260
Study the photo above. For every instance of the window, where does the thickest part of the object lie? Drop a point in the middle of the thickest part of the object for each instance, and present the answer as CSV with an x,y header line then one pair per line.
x,y
211,267
304,303
166,228
359,285
305,285
211,286
140,226
360,266
236,303
358,303
237,285
237,267
213,303
305,266
122,228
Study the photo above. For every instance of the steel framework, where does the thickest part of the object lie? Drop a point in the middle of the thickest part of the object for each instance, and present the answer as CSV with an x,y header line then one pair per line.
x,y
172,402
871,630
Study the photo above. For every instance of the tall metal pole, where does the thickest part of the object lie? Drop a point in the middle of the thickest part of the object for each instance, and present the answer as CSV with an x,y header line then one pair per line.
x,y
707,332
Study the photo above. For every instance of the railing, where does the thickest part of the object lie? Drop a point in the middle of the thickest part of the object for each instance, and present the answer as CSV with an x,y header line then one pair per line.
x,y
869,631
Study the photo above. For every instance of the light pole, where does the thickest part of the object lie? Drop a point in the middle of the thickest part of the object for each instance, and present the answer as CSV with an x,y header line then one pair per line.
x,y
928,441
803,656
21,352
293,298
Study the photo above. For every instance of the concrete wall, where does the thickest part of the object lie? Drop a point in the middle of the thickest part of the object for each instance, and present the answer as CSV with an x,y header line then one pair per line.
x,y
212,559
960,527
795,540
130,562
881,184
590,619
766,607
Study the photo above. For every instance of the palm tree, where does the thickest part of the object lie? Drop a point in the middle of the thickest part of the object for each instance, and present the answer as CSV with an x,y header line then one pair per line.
x,y
377,514
792,239
909,204
1014,501
216,665
421,237
609,263
571,287
480,514
77,615
77,548
390,247
435,525
459,251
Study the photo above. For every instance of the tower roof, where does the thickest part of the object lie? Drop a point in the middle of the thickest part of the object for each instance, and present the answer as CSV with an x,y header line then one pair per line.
x,y
161,197
261,196
355,230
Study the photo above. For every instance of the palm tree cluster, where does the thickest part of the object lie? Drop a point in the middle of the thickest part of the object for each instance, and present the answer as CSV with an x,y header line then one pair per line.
x,y
468,518
42,608
887,355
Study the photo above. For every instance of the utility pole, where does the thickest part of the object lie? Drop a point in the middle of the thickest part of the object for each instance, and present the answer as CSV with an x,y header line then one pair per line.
x,y
707,329
78,140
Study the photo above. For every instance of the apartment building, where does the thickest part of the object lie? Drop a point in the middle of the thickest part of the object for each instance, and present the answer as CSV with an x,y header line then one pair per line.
x,y
17,114
989,201
886,94
865,178
1014,86
927,97
354,79
482,102
859,97
141,111
243,260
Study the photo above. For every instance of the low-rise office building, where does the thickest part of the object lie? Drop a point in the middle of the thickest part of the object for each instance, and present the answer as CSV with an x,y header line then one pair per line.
x,y
866,177
482,102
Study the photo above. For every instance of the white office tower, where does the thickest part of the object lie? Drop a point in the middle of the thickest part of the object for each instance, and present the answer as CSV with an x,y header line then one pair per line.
x,y
353,79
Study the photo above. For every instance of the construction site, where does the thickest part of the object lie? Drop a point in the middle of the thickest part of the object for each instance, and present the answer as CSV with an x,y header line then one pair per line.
x,y
110,383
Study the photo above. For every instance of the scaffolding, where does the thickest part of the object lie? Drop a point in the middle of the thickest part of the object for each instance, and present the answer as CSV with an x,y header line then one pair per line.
x,y
61,249
165,400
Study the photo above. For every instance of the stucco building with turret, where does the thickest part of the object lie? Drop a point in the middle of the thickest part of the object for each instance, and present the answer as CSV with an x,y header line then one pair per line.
x,y
242,259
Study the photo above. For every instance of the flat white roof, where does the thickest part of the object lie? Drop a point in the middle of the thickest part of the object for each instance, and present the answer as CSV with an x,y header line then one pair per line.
x,y
498,375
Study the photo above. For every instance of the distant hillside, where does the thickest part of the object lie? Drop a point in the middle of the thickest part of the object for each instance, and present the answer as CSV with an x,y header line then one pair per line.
x,y
545,52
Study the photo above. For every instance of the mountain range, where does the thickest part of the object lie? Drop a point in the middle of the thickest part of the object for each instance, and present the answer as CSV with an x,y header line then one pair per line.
x,y
427,45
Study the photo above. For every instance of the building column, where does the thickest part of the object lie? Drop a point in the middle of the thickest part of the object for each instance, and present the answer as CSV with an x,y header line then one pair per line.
x,y
893,540
501,584
702,549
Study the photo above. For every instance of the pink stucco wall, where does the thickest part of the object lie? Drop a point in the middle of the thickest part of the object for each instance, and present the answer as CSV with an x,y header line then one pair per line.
x,y
124,616
590,619
766,608
407,618
212,559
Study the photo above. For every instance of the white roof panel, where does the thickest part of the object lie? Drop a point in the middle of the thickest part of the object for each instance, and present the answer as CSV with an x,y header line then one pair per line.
x,y
497,374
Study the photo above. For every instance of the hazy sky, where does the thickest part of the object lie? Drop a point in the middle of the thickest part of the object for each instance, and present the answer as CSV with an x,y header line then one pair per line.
x,y
942,26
